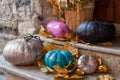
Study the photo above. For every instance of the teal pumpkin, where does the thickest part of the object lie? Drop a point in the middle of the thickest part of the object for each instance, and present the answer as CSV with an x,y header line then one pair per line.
x,y
58,57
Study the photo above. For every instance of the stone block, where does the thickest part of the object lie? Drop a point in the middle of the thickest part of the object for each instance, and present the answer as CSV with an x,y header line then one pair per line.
x,y
17,13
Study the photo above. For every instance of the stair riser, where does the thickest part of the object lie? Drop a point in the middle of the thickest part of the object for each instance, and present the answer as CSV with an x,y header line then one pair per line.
x,y
112,61
117,25
10,76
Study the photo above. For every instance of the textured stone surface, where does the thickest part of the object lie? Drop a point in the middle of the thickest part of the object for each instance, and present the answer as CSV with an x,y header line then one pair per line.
x,y
112,61
2,77
110,54
33,72
21,14
2,44
117,25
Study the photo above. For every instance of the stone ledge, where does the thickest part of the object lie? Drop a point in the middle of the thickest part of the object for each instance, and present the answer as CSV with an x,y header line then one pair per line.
x,y
32,72
114,49
26,72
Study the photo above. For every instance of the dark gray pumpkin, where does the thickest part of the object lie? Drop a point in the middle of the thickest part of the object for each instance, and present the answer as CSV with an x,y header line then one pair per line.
x,y
96,31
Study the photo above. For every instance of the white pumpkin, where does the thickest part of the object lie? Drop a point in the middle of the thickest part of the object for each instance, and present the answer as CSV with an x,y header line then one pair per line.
x,y
87,63
22,51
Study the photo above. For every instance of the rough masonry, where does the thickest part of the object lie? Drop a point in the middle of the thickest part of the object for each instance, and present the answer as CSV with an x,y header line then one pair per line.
x,y
23,14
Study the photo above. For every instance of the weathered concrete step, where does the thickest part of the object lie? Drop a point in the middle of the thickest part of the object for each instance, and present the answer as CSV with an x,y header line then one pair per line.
x,y
31,72
109,54
2,77
114,49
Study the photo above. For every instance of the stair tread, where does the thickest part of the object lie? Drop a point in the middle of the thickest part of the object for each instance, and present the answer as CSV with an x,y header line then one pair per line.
x,y
113,49
33,72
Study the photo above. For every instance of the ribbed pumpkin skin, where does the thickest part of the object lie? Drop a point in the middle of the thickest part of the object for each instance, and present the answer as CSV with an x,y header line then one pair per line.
x,y
87,63
58,57
22,52
96,31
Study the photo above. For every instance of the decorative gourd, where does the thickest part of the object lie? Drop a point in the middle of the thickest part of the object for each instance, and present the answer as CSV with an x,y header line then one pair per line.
x,y
58,57
96,31
58,29
87,63
23,51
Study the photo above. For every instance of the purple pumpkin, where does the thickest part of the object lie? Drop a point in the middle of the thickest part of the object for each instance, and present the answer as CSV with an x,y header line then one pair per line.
x,y
58,29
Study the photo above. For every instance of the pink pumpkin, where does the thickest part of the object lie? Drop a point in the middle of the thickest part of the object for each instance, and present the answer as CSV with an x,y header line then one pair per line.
x,y
58,29
87,63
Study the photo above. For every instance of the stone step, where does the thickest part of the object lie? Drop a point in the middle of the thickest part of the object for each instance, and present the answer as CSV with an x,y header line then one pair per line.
x,y
33,72
109,54
2,77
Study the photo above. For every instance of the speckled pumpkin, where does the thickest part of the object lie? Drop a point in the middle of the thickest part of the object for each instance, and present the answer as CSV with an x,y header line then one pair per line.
x,y
22,51
87,63
58,57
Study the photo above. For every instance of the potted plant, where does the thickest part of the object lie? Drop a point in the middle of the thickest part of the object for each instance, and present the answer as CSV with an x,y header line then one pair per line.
x,y
73,12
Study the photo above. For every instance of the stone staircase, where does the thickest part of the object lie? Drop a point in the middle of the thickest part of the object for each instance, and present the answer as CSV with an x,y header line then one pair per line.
x,y
109,54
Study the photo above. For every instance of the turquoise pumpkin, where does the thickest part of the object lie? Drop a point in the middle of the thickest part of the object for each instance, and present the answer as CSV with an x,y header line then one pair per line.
x,y
58,57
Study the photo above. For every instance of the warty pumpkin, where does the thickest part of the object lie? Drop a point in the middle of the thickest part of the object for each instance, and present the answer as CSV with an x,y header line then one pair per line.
x,y
58,57
96,31
23,51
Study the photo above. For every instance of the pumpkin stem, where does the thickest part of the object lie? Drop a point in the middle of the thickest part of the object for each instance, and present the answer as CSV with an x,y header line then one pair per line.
x,y
29,37
38,38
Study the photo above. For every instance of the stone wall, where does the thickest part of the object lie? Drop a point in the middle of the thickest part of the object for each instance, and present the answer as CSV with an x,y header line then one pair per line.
x,y
20,17
23,14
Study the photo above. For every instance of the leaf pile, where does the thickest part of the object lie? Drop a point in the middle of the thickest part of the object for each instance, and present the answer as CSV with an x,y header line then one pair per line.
x,y
106,77
70,71
51,46
101,67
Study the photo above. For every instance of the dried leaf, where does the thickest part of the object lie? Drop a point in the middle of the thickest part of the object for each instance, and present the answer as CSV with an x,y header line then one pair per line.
x,y
58,76
55,6
55,10
105,44
102,68
71,67
71,48
44,70
62,19
99,61
43,32
79,72
106,77
66,76
51,46
59,39
47,70
72,37
80,40
94,55
40,64
68,36
76,76
60,70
